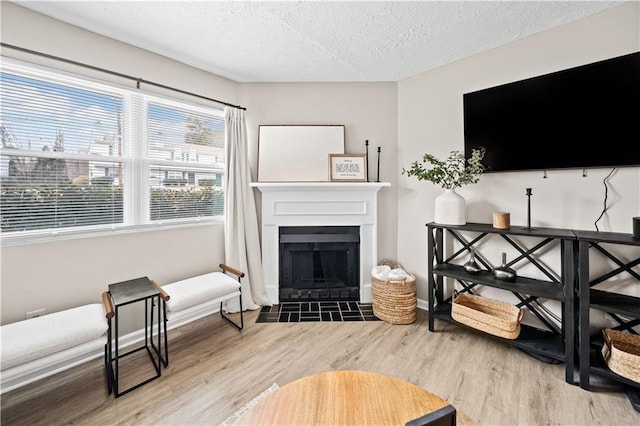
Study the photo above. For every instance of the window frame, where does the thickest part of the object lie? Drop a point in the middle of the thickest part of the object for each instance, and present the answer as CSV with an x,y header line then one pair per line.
x,y
136,181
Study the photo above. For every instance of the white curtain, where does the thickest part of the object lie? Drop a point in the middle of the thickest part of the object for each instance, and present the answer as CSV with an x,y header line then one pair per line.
x,y
241,235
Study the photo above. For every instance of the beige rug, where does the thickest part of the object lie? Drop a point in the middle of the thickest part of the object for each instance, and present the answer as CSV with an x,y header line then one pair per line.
x,y
231,420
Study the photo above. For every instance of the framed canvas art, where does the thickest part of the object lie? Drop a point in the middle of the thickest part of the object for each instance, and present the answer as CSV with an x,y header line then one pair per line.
x,y
297,153
347,167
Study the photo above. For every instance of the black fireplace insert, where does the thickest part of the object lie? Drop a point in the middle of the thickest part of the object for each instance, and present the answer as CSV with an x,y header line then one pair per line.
x,y
319,263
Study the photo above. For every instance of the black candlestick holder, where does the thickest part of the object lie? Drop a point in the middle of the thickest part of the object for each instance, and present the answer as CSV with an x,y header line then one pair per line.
x,y
378,179
366,146
529,192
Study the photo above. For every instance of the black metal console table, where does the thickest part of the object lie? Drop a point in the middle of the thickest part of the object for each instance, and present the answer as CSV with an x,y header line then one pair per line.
x,y
557,344
138,290
622,309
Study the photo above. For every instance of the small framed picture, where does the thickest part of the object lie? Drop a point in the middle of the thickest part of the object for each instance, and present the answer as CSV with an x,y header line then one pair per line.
x,y
347,167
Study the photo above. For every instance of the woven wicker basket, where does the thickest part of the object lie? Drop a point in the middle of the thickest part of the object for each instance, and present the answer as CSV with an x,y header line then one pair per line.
x,y
621,351
394,301
491,316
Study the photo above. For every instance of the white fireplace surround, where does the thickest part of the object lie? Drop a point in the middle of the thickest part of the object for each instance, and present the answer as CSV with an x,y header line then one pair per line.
x,y
319,204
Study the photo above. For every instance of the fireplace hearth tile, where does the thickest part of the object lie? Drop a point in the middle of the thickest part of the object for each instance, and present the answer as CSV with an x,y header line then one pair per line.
x,y
291,307
317,312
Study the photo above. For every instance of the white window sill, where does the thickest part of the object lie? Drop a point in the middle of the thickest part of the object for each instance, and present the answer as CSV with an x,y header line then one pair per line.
x,y
73,234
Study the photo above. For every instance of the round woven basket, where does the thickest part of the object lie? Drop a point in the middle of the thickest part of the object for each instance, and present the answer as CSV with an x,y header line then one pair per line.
x,y
394,301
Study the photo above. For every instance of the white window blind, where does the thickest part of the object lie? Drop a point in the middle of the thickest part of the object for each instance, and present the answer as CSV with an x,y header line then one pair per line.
x,y
186,162
79,157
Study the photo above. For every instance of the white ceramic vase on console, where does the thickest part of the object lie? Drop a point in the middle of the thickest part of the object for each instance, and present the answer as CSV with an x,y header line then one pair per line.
x,y
450,208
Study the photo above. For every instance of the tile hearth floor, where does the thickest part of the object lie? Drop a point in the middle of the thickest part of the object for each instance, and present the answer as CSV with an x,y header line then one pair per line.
x,y
317,312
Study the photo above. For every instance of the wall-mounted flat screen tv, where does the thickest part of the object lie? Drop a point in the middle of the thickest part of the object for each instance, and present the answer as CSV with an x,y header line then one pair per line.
x,y
582,117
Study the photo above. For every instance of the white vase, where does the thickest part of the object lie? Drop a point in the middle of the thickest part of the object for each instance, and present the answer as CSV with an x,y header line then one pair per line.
x,y
450,208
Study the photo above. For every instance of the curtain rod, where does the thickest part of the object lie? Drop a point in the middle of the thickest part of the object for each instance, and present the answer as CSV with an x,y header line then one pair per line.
x,y
136,79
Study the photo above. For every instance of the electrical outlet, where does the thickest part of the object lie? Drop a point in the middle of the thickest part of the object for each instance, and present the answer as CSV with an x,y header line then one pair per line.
x,y
37,313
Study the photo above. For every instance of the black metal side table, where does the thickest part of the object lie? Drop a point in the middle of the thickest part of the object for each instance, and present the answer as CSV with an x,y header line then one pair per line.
x,y
138,290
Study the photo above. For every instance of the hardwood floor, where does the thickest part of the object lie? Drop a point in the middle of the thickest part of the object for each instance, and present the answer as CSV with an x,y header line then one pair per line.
x,y
214,370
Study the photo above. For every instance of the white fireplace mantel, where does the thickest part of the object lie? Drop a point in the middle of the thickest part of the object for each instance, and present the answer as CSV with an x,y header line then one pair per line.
x,y
319,204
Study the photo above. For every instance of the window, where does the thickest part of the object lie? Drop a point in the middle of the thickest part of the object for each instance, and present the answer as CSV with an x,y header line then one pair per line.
x,y
186,158
82,157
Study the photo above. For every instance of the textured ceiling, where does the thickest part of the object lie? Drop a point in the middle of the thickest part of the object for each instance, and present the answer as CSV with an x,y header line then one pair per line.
x,y
305,41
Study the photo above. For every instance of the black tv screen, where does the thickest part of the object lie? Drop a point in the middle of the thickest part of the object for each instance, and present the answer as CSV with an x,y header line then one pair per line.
x,y
582,117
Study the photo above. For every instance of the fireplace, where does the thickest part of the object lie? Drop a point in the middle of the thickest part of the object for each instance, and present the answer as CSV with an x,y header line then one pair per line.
x,y
334,205
319,263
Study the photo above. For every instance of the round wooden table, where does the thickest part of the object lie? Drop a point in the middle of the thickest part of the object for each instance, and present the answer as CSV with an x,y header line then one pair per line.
x,y
343,398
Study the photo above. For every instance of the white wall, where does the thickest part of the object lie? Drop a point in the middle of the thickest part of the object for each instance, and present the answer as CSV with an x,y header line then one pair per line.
x,y
64,274
368,112
430,120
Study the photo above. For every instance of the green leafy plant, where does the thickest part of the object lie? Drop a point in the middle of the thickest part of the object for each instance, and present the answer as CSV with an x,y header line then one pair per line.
x,y
453,172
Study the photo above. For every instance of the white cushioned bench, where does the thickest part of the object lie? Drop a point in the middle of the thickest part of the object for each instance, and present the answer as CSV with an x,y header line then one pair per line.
x,y
39,347
196,297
